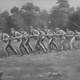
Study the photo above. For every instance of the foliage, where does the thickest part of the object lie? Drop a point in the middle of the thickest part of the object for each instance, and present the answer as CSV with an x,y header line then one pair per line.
x,y
61,15
74,20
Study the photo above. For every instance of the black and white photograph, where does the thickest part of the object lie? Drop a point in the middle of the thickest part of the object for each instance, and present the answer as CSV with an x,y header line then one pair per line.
x,y
39,39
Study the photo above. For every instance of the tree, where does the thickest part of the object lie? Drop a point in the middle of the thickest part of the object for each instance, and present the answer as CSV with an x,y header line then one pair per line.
x,y
60,14
15,10
74,20
4,19
28,7
29,12
42,19
25,16
17,19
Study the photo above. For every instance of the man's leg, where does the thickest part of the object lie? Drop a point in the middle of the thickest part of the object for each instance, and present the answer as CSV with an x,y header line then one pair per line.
x,y
20,50
26,49
6,49
14,50
71,43
42,46
27,44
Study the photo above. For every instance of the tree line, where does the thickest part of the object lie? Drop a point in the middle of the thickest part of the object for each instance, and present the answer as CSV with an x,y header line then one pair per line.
x,y
61,15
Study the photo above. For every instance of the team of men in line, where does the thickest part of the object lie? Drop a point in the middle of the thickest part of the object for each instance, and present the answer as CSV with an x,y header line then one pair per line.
x,y
57,38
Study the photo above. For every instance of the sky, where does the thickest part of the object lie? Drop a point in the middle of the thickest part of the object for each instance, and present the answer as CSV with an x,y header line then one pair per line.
x,y
43,4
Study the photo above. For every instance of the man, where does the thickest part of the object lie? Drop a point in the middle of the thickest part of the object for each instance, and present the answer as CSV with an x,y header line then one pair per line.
x,y
77,32
22,44
60,31
77,38
49,34
70,37
60,37
34,32
69,32
52,43
21,35
44,36
41,32
15,33
7,40
40,39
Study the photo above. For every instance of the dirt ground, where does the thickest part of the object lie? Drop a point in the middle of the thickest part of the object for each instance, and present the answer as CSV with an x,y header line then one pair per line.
x,y
51,66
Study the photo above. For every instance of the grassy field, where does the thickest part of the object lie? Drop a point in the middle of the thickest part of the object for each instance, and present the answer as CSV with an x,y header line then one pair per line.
x,y
42,67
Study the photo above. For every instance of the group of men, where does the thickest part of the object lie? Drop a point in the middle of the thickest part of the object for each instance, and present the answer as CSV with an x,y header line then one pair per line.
x,y
57,39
